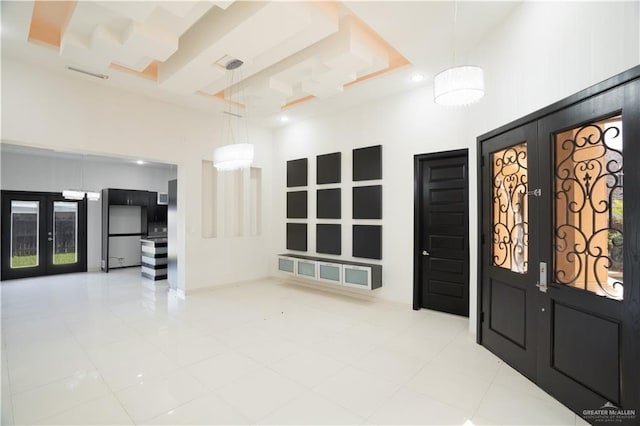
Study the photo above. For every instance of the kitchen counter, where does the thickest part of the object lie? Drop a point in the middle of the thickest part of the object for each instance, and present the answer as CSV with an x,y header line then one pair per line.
x,y
154,257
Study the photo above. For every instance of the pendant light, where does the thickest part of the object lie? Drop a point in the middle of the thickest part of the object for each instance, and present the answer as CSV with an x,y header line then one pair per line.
x,y
459,85
79,194
234,155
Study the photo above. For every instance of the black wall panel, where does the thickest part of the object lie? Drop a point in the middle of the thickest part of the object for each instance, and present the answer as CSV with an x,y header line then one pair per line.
x,y
328,168
297,172
328,238
367,163
297,205
367,202
297,236
367,241
329,204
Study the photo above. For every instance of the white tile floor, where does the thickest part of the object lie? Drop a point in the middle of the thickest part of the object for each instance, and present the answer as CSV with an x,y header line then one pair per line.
x,y
116,349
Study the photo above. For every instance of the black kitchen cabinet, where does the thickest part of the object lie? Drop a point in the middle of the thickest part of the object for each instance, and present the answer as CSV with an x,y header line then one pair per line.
x,y
127,197
156,213
150,212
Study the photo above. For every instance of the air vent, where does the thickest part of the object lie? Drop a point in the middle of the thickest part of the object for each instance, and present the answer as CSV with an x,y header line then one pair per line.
x,y
92,74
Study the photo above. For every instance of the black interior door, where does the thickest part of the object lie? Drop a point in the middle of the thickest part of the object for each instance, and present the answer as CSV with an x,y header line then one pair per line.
x,y
589,316
441,280
510,246
42,234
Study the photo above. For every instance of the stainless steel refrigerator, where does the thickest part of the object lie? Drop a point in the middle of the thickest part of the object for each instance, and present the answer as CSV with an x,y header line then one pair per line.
x,y
172,235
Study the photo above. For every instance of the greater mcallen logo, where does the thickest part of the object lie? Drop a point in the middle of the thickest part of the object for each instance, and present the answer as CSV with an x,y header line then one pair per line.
x,y
609,413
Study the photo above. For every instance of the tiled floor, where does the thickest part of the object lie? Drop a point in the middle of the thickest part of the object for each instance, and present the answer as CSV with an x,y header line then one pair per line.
x,y
115,349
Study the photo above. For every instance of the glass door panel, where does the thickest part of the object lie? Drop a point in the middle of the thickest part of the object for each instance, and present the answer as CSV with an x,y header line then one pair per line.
x,y
510,211
588,208
25,234
65,232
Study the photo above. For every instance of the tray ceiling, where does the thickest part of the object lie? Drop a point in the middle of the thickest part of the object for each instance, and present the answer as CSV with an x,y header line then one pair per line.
x,y
293,52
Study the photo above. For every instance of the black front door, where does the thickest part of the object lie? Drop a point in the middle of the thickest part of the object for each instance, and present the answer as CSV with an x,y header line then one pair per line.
x,y
441,275
511,246
560,252
42,234
589,316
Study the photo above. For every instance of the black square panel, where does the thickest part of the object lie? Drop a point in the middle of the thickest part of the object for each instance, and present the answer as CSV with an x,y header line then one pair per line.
x,y
328,238
328,168
329,203
367,163
367,241
297,236
297,172
297,205
367,202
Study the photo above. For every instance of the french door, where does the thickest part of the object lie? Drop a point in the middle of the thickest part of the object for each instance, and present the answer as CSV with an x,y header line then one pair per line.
x,y
42,234
560,252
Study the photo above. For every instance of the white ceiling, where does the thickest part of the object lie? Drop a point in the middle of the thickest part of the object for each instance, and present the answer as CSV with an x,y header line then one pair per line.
x,y
291,50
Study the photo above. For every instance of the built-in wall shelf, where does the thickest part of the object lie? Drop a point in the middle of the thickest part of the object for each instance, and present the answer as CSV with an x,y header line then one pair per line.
x,y
335,271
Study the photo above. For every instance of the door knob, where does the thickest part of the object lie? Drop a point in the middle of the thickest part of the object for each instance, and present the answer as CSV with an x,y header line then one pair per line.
x,y
425,253
49,239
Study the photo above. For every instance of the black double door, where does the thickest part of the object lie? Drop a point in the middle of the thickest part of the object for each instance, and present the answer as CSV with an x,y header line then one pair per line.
x,y
441,262
42,234
560,263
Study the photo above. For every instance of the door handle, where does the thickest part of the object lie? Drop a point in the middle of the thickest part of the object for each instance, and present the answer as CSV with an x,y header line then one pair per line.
x,y
425,253
49,239
542,281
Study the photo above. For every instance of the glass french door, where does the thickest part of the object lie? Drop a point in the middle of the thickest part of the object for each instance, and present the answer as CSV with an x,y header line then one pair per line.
x,y
42,234
560,263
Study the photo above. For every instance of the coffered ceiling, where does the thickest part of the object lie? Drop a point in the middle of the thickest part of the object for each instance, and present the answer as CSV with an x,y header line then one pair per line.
x,y
298,56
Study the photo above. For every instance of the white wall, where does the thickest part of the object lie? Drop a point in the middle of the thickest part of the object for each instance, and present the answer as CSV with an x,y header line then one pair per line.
x,y
404,125
540,54
48,109
544,52
35,171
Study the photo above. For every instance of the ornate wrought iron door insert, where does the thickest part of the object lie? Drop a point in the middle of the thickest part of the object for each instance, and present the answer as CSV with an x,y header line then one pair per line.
x,y
588,208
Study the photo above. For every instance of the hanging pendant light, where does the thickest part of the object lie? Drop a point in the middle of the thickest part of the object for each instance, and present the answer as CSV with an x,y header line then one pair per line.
x,y
233,155
462,85
79,194
73,194
459,85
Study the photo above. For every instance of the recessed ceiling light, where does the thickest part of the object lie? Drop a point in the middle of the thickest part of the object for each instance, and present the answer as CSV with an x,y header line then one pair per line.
x,y
284,118
417,78
140,162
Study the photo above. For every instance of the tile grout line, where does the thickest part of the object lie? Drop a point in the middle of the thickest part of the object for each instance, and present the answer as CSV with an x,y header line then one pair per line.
x,y
86,352
312,390
417,372
484,395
